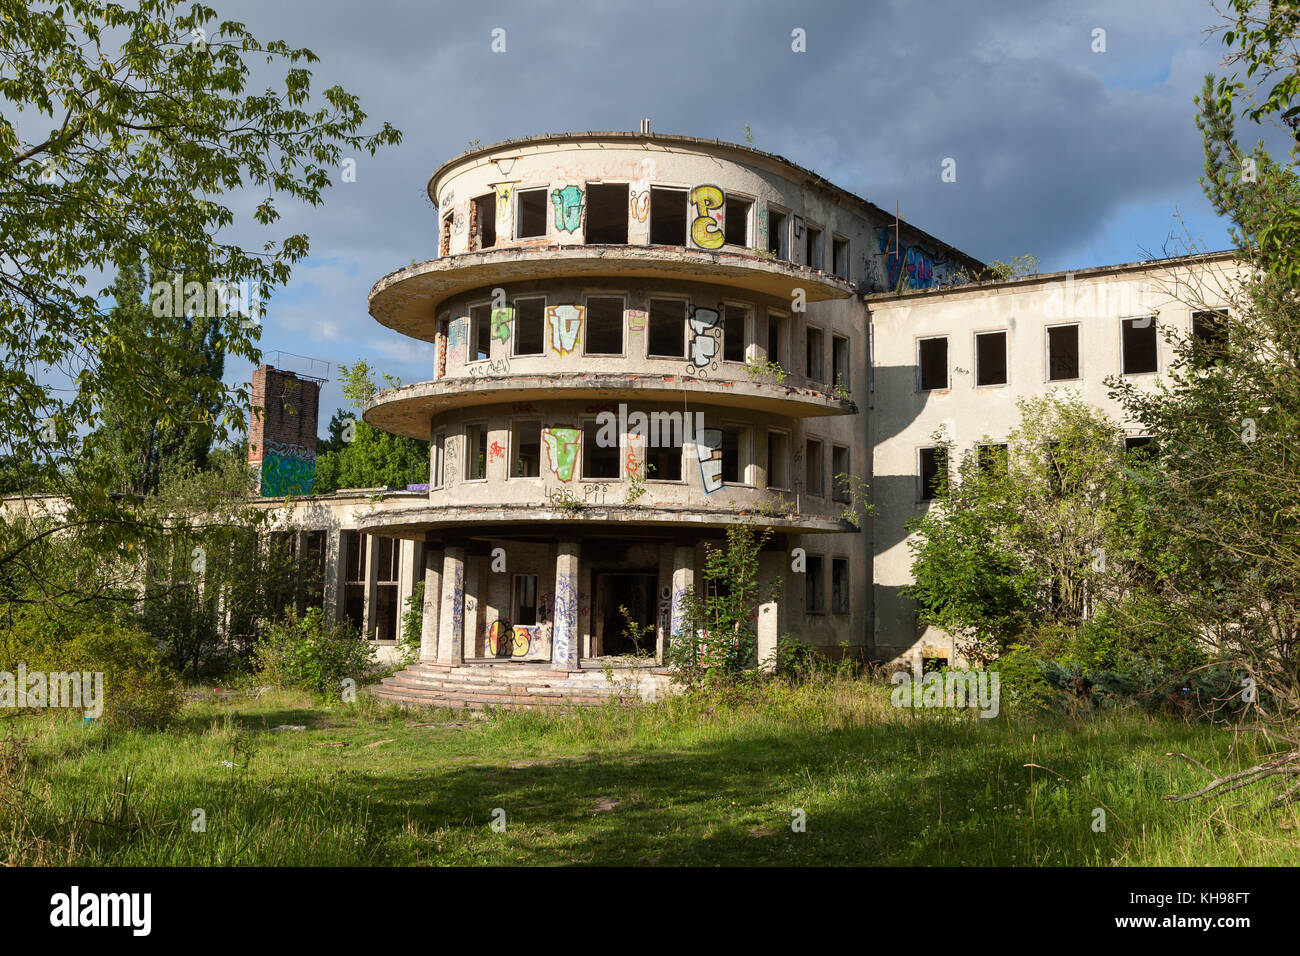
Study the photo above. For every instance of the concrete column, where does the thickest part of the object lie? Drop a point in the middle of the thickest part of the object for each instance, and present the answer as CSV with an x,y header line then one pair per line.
x,y
336,566
451,623
565,647
432,602
771,567
370,569
683,581
406,574
473,578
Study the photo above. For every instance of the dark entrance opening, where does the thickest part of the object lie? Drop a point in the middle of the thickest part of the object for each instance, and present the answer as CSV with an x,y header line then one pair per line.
x,y
634,590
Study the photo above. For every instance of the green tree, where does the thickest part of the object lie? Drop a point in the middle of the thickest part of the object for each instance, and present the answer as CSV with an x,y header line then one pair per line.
x,y
359,455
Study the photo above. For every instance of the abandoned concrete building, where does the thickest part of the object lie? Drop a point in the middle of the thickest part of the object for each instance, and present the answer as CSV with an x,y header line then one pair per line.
x,y
644,339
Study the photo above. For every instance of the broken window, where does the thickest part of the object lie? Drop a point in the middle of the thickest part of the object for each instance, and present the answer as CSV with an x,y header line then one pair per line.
x,y
840,372
667,216
604,325
480,341
839,585
735,221
814,349
667,328
778,460
526,441
776,233
1209,337
598,460
530,326
734,440
933,362
523,604
814,586
1062,352
734,320
531,206
664,462
1141,443
812,465
776,339
475,452
384,607
813,248
437,455
930,462
991,358
840,257
485,217
607,212
840,473
1139,344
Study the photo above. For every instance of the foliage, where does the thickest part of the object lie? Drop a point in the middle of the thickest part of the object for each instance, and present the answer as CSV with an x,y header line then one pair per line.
x,y
358,455
307,652
412,624
766,369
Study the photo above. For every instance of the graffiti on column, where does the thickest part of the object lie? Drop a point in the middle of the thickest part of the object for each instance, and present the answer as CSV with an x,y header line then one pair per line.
x,y
564,327
457,336
505,210
678,623
496,451
760,226
458,602
501,319
567,201
796,223
634,458
703,346
636,321
458,219
638,199
565,629
706,228
708,448
665,609
910,265
561,451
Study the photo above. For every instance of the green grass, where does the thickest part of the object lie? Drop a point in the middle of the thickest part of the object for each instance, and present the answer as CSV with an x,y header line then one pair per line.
x,y
696,780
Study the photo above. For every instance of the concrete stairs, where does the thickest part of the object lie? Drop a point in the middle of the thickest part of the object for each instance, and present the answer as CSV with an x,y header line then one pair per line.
x,y
517,685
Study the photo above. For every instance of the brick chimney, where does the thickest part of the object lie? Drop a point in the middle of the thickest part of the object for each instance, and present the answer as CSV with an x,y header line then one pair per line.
x,y
282,432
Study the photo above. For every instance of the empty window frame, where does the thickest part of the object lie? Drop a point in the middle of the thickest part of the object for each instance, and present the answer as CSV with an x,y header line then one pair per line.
x,y
530,222
814,468
663,462
840,257
485,221
778,460
840,473
778,233
530,326
776,339
735,320
814,248
523,601
991,458
667,216
735,454
815,585
603,332
480,333
814,354
735,220
444,333
666,336
1062,353
1138,342
930,464
1209,336
526,449
607,212
444,235
839,585
932,363
437,458
991,358
475,451
598,460
840,362
1139,443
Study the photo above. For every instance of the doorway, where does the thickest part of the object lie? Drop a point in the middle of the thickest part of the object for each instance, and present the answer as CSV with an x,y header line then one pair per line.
x,y
634,590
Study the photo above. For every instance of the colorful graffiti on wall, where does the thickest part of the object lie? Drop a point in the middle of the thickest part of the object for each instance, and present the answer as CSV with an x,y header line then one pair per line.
x,y
287,469
913,269
505,210
636,321
634,458
564,635
519,642
708,448
703,346
501,319
706,228
564,327
561,446
567,201
638,200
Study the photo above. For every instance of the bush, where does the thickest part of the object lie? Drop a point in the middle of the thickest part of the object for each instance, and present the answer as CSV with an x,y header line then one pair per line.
x,y
139,690
312,654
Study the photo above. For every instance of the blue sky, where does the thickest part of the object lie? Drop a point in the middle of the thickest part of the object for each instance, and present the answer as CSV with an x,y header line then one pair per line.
x,y
1079,157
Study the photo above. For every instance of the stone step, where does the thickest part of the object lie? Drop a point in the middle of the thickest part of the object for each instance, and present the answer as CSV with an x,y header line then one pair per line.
x,y
511,686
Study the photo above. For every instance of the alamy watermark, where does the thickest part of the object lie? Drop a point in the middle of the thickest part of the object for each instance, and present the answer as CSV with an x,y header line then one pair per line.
x,y
658,429
947,690
73,690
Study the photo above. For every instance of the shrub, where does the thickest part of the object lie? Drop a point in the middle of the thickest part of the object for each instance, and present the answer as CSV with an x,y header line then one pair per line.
x,y
313,654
